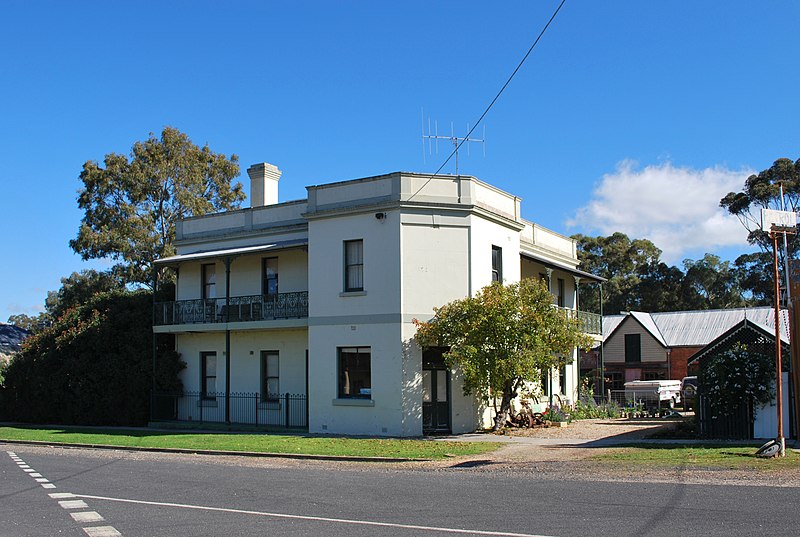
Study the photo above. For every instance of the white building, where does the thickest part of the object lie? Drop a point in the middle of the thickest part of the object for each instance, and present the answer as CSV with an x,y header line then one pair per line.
x,y
316,297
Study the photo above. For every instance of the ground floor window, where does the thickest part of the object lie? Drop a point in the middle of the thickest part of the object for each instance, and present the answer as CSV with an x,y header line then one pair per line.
x,y
355,373
545,382
562,379
208,374
270,376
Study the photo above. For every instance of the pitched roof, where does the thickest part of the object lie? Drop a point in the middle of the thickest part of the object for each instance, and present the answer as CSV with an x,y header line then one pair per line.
x,y
735,331
697,328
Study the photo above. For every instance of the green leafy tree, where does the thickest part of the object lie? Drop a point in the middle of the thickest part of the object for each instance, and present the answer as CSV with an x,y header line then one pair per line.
x,y
754,272
660,288
622,262
502,338
27,322
76,289
711,283
131,205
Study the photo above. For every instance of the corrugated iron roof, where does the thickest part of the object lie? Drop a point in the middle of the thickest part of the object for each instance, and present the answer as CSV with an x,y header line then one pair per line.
x,y
700,327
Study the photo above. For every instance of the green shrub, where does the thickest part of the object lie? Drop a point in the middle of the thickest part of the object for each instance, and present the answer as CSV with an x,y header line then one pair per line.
x,y
94,365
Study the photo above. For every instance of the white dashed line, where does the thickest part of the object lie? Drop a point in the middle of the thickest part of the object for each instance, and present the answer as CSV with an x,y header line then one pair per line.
x,y
73,504
87,516
42,480
29,471
102,531
36,474
61,495
48,485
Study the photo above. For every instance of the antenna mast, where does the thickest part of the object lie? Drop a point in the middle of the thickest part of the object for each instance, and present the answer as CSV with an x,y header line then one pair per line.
x,y
433,137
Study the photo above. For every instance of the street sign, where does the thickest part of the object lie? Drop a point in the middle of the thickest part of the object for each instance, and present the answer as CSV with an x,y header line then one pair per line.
x,y
778,220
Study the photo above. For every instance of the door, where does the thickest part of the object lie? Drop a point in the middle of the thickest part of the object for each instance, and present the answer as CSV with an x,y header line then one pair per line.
x,y
435,393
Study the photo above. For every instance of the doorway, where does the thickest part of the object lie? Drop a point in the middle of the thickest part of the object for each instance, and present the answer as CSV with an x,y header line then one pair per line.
x,y
435,393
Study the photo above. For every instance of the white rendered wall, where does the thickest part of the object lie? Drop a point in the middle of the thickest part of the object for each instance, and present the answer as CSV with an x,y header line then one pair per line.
x,y
246,347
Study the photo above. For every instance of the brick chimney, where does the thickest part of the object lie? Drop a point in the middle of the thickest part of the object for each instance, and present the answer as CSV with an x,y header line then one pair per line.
x,y
263,184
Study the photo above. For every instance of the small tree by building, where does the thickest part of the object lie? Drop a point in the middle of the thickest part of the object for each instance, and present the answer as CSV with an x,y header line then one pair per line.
x,y
503,338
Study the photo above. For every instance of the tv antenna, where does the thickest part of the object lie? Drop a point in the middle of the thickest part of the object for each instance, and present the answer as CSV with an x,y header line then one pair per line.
x,y
432,138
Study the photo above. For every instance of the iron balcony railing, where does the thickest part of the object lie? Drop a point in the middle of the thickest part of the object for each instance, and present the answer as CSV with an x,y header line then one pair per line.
x,y
239,308
280,411
589,322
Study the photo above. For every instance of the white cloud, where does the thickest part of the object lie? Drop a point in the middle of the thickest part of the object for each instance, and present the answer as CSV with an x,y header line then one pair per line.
x,y
677,208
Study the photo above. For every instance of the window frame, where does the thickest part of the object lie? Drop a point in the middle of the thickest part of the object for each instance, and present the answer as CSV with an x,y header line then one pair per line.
x,y
633,351
497,264
352,265
204,283
340,380
204,376
265,279
267,375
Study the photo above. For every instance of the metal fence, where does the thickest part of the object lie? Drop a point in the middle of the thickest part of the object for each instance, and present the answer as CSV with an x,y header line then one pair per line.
x,y
736,424
283,411
629,399
239,308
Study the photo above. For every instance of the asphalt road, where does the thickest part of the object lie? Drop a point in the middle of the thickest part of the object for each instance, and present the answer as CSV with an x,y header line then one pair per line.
x,y
103,494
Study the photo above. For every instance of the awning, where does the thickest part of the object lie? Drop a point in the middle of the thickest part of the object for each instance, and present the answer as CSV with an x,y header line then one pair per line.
x,y
231,252
559,266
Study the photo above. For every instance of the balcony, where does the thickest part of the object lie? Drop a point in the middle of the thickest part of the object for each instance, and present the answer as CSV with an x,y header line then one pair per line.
x,y
591,323
239,309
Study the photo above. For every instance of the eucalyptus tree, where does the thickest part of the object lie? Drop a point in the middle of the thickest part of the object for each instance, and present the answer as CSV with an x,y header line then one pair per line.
x,y
131,204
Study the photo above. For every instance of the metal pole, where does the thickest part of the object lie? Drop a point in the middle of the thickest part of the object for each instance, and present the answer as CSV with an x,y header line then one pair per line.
x,y
779,384
227,341
602,344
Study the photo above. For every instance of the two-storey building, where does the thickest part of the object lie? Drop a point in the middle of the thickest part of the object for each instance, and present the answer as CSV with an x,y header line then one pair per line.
x,y
316,298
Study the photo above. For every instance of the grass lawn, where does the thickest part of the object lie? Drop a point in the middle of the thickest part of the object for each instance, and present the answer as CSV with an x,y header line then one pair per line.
x,y
696,456
264,443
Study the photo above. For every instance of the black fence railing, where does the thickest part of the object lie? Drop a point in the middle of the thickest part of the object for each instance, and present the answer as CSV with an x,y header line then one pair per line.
x,y
239,308
281,411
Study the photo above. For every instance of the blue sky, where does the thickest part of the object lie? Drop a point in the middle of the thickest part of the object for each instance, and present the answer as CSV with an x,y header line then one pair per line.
x,y
629,115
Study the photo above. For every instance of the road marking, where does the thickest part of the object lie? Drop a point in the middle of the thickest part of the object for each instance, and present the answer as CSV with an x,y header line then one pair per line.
x,y
23,465
42,480
102,531
73,504
61,495
29,471
36,474
315,518
48,485
87,516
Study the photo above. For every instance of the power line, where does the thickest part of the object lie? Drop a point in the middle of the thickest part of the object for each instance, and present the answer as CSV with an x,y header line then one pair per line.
x,y
491,104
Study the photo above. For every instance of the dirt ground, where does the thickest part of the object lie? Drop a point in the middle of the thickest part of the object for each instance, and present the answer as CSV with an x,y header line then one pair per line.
x,y
539,452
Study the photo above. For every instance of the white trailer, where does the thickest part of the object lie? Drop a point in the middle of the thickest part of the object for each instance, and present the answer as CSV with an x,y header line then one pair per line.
x,y
654,393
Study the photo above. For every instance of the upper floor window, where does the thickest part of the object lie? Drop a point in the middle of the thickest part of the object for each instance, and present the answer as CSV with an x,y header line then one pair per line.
x,y
209,281
633,348
354,265
560,290
269,283
497,264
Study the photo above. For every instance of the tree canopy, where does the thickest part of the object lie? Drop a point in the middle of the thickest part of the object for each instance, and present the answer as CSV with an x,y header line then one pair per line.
x,y
131,205
639,280
763,191
503,337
